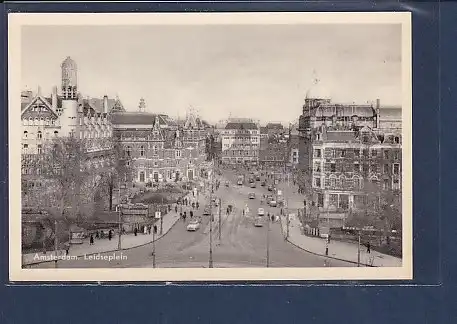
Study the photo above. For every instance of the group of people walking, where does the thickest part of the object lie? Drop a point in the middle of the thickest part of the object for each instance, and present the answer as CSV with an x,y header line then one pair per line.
x,y
100,235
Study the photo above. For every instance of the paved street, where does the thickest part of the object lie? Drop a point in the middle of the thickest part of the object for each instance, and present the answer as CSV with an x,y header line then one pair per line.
x,y
241,245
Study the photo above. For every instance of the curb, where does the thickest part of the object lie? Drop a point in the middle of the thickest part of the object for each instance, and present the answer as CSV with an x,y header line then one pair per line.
x,y
115,250
323,255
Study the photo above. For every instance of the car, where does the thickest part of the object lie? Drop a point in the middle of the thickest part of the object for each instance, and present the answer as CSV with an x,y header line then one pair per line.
x,y
252,185
273,203
270,188
263,184
260,212
207,210
193,226
258,222
240,182
257,178
227,184
251,195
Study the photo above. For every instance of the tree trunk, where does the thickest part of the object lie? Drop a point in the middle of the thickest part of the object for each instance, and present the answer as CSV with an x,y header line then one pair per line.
x,y
110,192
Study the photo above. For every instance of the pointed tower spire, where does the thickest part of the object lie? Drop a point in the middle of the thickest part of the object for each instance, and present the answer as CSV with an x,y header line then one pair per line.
x,y
142,105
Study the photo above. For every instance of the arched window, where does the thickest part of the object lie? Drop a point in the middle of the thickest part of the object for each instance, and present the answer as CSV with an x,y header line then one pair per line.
x,y
47,121
141,150
25,134
39,135
357,182
341,182
36,122
332,181
56,133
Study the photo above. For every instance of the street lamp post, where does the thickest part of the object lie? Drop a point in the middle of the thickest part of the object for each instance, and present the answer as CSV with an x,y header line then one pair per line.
x,y
220,222
153,246
268,242
56,243
358,251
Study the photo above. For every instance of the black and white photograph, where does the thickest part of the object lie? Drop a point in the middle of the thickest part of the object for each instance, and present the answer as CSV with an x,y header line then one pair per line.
x,y
210,146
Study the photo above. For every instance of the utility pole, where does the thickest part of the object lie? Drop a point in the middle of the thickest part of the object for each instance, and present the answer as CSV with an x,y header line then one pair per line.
x,y
161,219
56,243
119,245
220,222
268,242
358,252
153,246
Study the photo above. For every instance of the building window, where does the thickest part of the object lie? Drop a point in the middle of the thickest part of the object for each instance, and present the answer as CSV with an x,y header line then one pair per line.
x,y
344,202
141,150
332,167
320,200
332,182
396,155
317,182
397,140
366,168
356,167
25,134
396,169
333,153
343,153
357,183
39,135
178,154
317,167
386,154
154,150
385,184
128,150
25,148
127,163
365,152
40,149
333,200
356,152
56,133
317,153
385,168
156,164
396,184
374,153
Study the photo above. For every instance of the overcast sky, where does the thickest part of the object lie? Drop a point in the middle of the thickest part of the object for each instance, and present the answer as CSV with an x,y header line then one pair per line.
x,y
256,71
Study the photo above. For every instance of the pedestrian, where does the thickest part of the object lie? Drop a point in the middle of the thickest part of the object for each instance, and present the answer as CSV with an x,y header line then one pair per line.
x,y
272,218
181,216
169,207
135,231
149,229
110,235
155,229
193,205
176,208
91,240
243,212
67,248
198,205
191,214
368,247
97,235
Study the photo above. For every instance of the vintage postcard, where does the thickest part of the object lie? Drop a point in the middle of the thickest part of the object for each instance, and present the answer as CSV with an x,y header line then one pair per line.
x,y
210,147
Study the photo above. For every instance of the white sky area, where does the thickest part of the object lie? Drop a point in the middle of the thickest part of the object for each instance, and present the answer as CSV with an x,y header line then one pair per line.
x,y
253,71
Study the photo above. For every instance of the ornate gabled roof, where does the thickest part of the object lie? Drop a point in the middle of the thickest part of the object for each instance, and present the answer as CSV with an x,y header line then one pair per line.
x,y
117,105
45,109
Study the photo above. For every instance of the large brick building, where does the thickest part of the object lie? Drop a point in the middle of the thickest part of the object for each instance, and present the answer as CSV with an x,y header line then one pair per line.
x,y
160,149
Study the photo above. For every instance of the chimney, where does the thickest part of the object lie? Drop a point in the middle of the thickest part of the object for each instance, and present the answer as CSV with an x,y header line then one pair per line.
x,y
54,98
105,103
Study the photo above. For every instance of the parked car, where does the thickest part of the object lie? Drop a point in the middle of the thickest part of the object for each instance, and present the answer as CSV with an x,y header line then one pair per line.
x,y
193,226
207,210
252,185
240,182
251,195
258,222
270,188
263,183
273,203
260,212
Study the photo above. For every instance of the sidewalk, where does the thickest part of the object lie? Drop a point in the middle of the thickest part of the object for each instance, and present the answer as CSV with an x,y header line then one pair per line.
x,y
128,241
338,250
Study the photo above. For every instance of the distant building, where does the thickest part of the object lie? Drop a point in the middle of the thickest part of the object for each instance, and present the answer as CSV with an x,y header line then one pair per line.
x,y
294,149
240,143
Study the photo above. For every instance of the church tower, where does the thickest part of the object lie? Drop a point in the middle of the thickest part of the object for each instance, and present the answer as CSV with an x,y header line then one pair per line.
x,y
69,119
